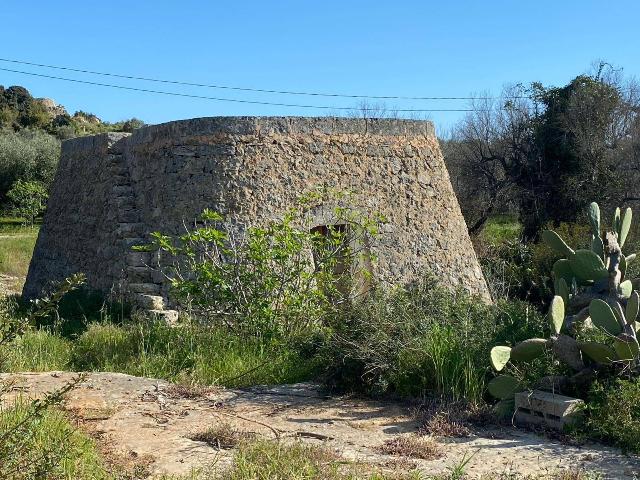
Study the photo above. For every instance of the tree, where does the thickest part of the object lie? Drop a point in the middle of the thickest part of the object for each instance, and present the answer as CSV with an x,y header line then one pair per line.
x,y
28,200
28,156
549,151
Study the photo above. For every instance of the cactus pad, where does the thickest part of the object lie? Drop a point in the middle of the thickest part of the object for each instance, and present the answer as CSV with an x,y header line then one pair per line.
x,y
528,350
603,317
633,307
562,269
626,288
594,218
617,223
500,356
597,246
562,290
556,314
587,266
625,226
598,352
554,240
503,386
626,347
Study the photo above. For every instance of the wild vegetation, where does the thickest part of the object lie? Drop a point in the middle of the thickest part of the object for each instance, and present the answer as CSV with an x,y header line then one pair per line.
x,y
279,304
30,133
543,152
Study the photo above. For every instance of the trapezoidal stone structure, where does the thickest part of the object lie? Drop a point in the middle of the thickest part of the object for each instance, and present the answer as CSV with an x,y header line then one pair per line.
x,y
111,190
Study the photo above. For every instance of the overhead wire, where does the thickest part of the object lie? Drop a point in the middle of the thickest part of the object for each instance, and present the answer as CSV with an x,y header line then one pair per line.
x,y
247,89
233,100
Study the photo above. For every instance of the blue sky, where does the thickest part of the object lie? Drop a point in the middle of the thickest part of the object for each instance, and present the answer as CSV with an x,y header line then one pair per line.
x,y
407,48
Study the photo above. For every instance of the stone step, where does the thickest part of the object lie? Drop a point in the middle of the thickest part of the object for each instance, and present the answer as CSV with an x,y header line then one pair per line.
x,y
138,259
170,317
140,274
122,191
149,302
130,229
132,241
145,288
128,216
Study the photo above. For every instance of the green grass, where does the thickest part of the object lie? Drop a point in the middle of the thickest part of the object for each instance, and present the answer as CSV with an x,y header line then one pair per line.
x,y
37,351
188,354
47,447
501,228
268,460
16,246
426,340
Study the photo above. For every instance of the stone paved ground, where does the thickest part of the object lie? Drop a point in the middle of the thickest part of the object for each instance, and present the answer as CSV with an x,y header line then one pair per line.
x,y
149,421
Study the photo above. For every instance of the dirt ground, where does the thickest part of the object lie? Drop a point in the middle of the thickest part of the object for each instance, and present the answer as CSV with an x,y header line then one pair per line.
x,y
10,285
150,422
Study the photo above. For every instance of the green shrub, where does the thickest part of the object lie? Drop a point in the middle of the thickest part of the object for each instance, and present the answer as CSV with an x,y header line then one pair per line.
x,y
282,278
422,340
36,445
613,415
28,200
522,271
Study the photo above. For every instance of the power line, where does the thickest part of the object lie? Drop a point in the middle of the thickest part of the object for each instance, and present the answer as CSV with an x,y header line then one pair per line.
x,y
233,100
243,89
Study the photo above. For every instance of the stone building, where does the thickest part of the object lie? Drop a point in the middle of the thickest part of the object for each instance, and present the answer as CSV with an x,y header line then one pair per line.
x,y
111,190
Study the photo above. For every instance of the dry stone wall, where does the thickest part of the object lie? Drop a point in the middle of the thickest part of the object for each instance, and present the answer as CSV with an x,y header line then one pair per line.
x,y
112,190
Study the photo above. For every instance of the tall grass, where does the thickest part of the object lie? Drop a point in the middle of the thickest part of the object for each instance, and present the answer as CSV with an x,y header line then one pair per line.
x,y
426,340
49,447
267,460
37,351
191,354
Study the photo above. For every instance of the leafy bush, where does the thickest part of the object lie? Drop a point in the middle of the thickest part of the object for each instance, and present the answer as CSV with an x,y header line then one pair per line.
x,y
613,414
28,200
421,340
27,156
517,270
279,278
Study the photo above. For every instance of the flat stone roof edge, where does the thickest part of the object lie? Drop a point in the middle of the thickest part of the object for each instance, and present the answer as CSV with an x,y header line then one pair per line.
x,y
237,125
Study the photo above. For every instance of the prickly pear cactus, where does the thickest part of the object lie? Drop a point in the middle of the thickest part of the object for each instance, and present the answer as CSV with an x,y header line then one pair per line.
x,y
591,291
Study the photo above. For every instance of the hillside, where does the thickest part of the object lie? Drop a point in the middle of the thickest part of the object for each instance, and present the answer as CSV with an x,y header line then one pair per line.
x,y
20,110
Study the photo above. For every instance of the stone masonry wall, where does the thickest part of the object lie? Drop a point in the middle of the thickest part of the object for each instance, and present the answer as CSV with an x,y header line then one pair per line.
x,y
111,190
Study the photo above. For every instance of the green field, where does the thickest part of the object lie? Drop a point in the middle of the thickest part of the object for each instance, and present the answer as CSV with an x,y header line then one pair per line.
x,y
16,247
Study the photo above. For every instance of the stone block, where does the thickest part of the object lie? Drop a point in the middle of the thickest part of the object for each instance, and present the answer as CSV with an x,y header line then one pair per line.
x,y
140,274
145,288
149,302
138,259
546,408
170,317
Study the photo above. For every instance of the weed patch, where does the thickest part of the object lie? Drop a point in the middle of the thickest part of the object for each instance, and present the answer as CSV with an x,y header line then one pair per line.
x,y
222,436
412,447
49,448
